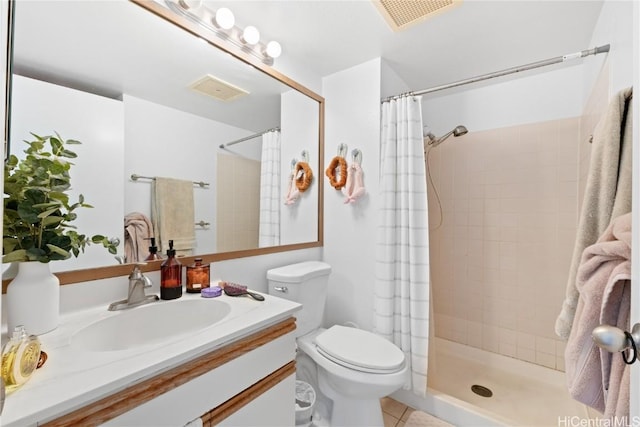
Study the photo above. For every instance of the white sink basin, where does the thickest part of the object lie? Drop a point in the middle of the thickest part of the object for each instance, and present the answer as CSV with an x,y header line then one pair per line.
x,y
148,324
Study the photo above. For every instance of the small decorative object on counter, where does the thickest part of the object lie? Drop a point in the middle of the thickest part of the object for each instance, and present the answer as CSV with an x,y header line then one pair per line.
x,y
171,275
20,357
211,292
153,251
197,276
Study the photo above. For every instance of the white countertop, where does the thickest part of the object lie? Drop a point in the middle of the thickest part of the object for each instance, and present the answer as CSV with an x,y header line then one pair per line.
x,y
72,378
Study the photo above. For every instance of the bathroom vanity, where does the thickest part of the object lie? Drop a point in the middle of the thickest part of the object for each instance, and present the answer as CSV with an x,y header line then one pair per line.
x,y
237,370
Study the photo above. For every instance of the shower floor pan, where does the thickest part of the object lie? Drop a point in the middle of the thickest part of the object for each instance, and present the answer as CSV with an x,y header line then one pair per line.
x,y
521,393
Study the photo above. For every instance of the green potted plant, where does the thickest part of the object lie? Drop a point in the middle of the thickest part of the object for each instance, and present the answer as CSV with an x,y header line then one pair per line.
x,y
37,228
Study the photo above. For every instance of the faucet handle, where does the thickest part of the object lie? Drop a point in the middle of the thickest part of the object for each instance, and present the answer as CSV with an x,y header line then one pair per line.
x,y
147,282
136,274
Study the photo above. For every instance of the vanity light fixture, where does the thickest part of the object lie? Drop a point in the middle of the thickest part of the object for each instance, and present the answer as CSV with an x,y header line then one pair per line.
x,y
273,49
222,23
190,4
250,35
224,18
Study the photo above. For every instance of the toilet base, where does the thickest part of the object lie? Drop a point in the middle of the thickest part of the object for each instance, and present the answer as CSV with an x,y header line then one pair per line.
x,y
353,412
348,411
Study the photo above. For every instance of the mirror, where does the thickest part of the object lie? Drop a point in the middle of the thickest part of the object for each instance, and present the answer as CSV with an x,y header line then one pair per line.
x,y
120,79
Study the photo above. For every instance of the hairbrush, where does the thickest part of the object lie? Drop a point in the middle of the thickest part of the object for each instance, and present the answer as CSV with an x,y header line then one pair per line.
x,y
235,290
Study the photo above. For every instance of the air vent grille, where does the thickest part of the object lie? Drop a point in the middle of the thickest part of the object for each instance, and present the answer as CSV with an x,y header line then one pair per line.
x,y
402,13
217,88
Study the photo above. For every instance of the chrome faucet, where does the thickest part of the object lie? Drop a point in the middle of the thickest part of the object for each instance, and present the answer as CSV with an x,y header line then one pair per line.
x,y
137,284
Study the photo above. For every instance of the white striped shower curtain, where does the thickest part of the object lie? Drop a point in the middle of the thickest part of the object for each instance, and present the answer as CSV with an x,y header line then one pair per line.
x,y
401,301
269,226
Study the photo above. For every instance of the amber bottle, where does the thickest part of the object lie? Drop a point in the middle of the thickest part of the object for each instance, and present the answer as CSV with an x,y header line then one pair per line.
x,y
197,276
171,275
153,251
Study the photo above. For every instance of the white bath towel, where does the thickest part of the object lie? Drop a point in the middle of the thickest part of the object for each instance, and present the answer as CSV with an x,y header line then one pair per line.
x,y
172,214
596,377
137,229
607,193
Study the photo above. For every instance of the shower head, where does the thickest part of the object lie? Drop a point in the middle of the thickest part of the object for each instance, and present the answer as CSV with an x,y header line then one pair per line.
x,y
457,131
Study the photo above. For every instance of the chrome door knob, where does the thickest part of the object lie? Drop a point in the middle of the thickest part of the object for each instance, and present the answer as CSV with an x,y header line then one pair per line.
x,y
615,339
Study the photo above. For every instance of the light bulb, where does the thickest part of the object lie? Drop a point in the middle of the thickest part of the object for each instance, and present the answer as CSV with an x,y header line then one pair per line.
x,y
190,4
251,35
224,18
273,49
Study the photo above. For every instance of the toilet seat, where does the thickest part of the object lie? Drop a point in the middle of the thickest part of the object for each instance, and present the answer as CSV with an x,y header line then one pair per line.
x,y
359,350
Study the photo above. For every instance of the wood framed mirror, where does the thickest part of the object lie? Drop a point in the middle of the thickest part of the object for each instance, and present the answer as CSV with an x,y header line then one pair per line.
x,y
118,76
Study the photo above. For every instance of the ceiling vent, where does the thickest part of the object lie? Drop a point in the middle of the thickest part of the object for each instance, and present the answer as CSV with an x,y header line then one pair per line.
x,y
401,14
217,88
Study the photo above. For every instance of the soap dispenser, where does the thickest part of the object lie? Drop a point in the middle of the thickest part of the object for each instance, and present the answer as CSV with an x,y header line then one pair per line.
x,y
20,358
153,251
171,275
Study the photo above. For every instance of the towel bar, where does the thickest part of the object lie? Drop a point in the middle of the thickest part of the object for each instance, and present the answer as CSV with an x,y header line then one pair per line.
x,y
135,177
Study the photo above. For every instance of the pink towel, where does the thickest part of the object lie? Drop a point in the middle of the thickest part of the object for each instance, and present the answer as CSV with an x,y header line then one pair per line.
x,y
137,229
596,377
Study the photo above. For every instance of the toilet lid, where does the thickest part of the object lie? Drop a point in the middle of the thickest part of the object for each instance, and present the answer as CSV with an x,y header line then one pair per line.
x,y
360,350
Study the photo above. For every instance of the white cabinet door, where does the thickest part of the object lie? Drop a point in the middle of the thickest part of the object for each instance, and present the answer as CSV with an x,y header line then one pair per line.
x,y
275,407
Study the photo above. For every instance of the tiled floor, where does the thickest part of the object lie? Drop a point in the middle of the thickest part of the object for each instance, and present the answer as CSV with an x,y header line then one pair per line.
x,y
394,413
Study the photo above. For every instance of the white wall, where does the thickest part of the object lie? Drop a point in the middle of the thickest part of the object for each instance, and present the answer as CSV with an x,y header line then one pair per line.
x,y
162,141
613,27
352,118
557,93
44,108
300,124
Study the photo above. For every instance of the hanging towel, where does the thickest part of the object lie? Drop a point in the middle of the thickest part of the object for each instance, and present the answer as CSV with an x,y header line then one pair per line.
x,y
607,193
137,229
172,213
596,377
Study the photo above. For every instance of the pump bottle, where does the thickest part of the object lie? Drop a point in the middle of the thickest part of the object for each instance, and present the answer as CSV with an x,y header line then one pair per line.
x,y
153,251
171,275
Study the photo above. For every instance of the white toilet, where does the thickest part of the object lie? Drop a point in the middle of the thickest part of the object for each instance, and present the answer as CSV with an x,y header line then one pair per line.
x,y
355,368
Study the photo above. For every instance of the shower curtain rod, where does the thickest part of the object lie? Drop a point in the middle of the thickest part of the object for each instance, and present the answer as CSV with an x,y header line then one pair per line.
x,y
512,70
246,138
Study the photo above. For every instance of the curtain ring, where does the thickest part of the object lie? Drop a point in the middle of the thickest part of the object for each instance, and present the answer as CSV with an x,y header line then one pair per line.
x,y
633,346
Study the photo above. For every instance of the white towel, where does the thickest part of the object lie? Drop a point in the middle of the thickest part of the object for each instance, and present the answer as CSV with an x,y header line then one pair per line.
x,y
172,213
137,229
596,377
607,194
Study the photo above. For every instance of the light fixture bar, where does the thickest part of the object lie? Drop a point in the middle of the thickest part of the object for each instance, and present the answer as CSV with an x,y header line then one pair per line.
x,y
222,25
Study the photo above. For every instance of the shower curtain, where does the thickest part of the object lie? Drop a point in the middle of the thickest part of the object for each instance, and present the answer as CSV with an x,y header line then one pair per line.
x,y
269,226
401,300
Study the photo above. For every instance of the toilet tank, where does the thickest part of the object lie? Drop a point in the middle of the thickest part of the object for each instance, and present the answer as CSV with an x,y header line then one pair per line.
x,y
305,283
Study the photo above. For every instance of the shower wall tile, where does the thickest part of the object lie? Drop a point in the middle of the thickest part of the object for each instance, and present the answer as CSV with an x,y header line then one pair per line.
x,y
500,260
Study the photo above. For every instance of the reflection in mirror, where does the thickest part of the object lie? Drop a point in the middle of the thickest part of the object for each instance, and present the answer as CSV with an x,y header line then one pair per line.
x,y
144,98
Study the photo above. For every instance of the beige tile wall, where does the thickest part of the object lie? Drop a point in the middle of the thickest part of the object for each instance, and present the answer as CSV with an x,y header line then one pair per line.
x,y
501,256
238,203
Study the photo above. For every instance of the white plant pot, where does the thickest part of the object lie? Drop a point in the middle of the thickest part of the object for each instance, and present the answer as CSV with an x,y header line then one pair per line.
x,y
33,299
